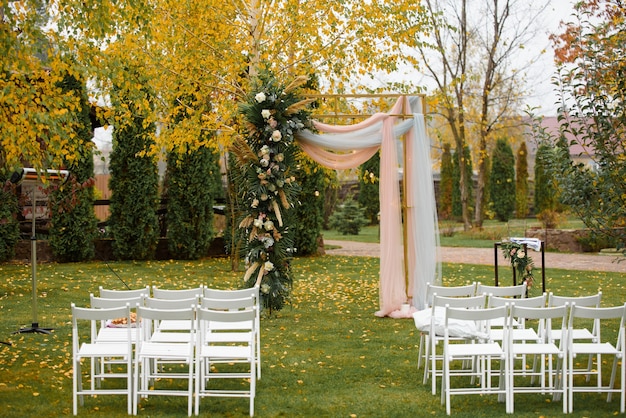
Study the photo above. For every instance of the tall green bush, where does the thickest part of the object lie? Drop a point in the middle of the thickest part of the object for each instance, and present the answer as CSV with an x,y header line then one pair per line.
x,y
446,182
457,209
134,179
503,180
369,186
9,225
192,183
73,223
310,211
546,194
521,182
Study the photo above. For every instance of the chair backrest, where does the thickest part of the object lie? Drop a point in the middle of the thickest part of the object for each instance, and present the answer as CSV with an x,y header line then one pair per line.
x,y
169,304
100,302
227,316
482,318
598,315
123,294
592,301
231,294
95,315
470,302
534,302
449,291
148,316
517,291
543,315
229,304
172,294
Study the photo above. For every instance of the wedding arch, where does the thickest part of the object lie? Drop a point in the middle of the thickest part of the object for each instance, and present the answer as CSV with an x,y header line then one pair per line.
x,y
276,118
409,238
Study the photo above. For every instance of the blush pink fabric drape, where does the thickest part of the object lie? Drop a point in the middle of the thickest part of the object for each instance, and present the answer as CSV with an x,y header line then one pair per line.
x,y
393,291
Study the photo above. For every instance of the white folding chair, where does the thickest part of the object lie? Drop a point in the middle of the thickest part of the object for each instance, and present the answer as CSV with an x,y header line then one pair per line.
x,y
482,349
123,294
580,334
113,330
447,291
253,292
544,350
96,350
150,380
518,331
217,358
173,294
435,334
604,319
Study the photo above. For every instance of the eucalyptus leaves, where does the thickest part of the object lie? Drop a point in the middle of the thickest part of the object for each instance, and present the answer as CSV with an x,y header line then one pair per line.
x,y
273,115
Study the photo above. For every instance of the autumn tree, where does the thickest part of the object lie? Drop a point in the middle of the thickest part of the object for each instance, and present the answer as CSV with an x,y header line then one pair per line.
x,y
590,57
471,56
38,116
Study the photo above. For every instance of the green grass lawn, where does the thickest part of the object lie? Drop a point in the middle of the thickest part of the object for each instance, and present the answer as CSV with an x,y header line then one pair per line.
x,y
325,355
451,233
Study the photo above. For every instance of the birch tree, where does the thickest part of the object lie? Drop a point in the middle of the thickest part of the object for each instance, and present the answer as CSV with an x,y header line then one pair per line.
x,y
473,58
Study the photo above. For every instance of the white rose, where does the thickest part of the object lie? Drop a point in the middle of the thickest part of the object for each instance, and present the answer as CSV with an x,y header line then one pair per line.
x,y
265,113
265,150
258,223
268,266
269,225
276,135
260,97
265,288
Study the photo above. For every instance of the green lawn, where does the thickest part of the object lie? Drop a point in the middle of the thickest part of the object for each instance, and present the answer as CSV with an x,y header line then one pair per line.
x,y
326,355
451,233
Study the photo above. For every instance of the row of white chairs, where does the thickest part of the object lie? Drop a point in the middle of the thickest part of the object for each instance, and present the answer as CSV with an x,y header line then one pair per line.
x,y
483,353
141,343
512,335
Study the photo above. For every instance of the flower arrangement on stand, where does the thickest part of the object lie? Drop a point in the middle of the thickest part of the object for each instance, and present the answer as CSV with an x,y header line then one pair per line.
x,y
520,261
273,115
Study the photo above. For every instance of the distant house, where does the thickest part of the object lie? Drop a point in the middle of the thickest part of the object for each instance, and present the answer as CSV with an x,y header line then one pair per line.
x,y
577,152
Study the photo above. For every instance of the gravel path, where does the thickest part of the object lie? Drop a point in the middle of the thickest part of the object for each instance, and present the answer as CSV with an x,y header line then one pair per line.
x,y
485,256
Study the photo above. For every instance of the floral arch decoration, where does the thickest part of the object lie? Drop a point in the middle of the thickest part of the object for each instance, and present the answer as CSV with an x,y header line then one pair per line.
x,y
276,117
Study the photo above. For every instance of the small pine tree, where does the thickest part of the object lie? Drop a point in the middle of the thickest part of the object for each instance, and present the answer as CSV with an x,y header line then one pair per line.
x,y
521,182
446,183
503,180
348,218
369,186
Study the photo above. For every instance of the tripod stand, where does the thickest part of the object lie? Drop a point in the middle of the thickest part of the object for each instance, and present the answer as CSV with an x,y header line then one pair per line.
x,y
34,328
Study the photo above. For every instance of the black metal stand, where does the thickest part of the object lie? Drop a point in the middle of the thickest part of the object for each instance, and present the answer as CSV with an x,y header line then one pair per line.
x,y
34,328
543,264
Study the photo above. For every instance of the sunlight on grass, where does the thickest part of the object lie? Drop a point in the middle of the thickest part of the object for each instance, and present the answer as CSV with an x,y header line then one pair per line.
x,y
325,354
